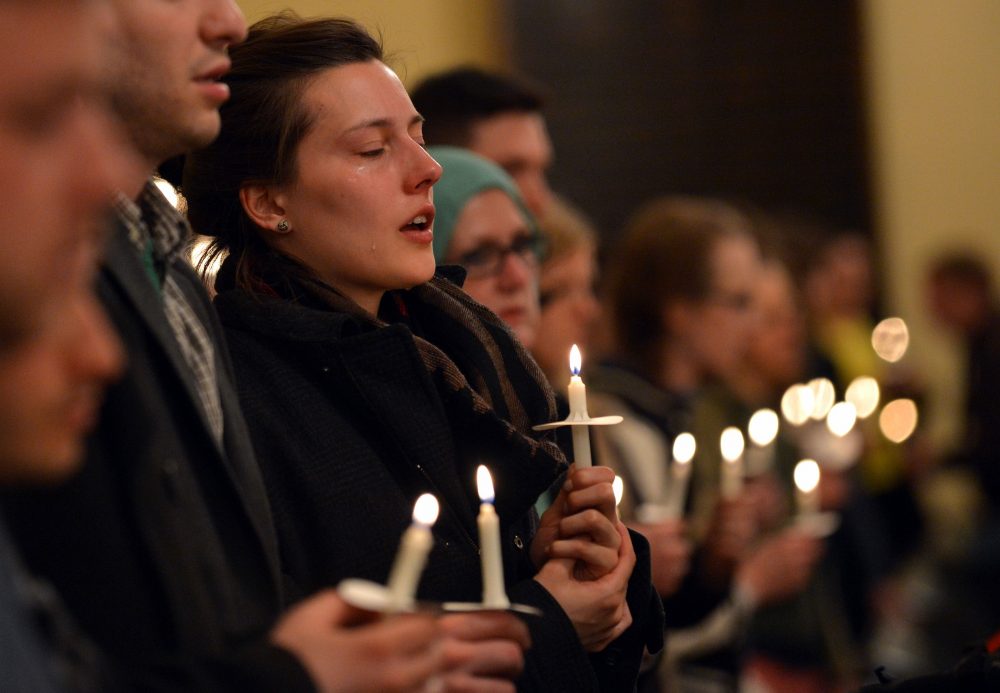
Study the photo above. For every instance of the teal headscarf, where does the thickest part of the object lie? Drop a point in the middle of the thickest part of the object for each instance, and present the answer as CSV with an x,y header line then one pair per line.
x,y
465,176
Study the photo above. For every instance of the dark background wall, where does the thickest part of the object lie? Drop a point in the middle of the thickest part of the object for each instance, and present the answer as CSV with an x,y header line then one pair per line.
x,y
758,100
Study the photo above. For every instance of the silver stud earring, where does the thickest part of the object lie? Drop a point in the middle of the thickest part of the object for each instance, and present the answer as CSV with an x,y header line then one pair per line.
x,y
283,226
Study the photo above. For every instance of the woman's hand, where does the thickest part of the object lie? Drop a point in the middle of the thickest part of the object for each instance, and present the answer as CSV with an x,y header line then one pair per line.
x,y
346,649
581,524
483,652
596,607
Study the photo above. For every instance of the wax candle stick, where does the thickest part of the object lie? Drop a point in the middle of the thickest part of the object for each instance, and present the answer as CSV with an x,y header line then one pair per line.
x,y
494,592
806,477
578,410
763,429
412,554
680,473
732,445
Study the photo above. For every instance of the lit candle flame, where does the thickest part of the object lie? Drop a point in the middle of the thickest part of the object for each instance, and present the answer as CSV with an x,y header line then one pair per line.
x,y
841,419
575,360
763,427
425,511
890,339
863,393
684,448
797,404
619,488
731,443
824,396
898,419
485,483
806,475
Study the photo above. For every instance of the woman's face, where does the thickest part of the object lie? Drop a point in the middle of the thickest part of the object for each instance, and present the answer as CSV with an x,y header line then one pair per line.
x,y
360,207
718,334
492,240
569,310
776,349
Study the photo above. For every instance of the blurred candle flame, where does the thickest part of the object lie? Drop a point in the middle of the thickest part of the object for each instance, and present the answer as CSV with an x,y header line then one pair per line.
x,y
485,484
684,448
425,511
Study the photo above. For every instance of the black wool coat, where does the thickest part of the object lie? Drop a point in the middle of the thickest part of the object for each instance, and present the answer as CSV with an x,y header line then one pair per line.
x,y
350,428
162,545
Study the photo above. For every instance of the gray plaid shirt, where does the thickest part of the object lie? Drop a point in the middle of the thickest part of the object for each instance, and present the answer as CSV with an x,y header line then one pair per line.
x,y
154,225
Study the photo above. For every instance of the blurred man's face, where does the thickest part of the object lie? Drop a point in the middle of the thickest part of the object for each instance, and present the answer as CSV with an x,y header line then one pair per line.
x,y
519,143
170,59
60,160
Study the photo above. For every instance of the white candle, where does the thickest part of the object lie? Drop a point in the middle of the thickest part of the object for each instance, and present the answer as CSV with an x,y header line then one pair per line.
x,y
494,593
763,429
680,472
732,445
578,410
806,477
412,555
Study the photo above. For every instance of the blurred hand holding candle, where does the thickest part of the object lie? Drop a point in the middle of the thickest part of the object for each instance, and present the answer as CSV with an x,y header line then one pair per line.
x,y
806,477
731,443
488,522
412,555
763,429
578,410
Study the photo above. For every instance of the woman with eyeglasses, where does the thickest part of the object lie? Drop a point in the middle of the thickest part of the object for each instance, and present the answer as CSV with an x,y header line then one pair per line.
x,y
483,225
369,378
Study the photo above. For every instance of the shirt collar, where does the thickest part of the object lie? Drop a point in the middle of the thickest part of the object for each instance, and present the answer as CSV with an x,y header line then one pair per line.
x,y
152,217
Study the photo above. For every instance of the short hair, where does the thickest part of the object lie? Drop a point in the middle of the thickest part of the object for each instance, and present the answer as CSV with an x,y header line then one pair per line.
x,y
263,123
454,101
665,255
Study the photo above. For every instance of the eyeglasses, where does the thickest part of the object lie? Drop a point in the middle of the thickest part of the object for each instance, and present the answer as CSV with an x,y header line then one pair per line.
x,y
488,259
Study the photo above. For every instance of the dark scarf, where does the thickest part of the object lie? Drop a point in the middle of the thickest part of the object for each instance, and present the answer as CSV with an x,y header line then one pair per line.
x,y
492,388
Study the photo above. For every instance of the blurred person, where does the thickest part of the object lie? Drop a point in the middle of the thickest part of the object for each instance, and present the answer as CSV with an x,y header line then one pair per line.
x,y
840,295
961,297
813,639
162,543
319,191
57,351
482,225
570,310
496,116
680,290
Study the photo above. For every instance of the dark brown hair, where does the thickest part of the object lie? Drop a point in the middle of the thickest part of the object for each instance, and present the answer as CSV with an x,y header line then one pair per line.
x,y
263,123
456,100
665,255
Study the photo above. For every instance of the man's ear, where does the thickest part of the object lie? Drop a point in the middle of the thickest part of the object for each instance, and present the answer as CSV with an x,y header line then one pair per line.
x,y
264,207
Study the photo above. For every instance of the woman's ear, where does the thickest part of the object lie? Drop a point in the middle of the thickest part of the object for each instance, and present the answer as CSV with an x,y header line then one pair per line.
x,y
264,208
